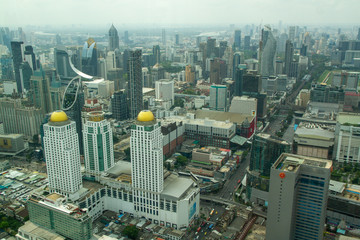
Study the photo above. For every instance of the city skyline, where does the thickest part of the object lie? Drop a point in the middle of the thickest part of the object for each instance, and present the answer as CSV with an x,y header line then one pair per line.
x,y
172,13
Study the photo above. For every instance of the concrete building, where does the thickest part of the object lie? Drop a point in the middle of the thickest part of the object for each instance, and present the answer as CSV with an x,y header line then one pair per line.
x,y
2,128
135,84
347,141
12,144
98,145
9,87
297,198
32,231
313,141
303,98
113,38
244,105
324,93
61,148
119,105
173,136
348,79
164,91
267,52
52,212
218,98
106,89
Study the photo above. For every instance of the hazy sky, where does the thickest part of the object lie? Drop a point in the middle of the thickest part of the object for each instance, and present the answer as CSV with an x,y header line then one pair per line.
x,y
177,12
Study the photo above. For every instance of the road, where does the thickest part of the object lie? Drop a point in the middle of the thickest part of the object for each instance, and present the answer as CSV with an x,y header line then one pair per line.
x,y
218,211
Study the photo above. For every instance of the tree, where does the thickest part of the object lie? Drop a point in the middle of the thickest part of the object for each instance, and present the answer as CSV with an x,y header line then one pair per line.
x,y
35,139
131,231
115,139
181,160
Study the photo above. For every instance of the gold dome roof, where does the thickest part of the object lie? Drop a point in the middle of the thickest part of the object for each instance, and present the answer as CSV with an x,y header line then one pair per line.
x,y
58,116
145,116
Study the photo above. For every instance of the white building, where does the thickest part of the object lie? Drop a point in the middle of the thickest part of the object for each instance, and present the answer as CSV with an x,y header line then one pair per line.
x,y
61,147
106,89
98,145
244,105
164,90
10,87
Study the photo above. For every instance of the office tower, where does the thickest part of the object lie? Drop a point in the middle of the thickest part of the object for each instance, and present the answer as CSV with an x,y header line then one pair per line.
x,y
61,147
146,164
358,35
98,145
40,91
126,37
135,83
113,38
25,74
218,98
89,58
198,41
156,54
125,60
237,39
222,48
189,74
102,70
29,56
240,71
119,105
267,52
236,61
217,70
62,63
177,39
58,39
298,196
247,42
75,111
6,64
265,150
18,56
303,50
117,76
289,53
163,37
292,33
164,90
211,48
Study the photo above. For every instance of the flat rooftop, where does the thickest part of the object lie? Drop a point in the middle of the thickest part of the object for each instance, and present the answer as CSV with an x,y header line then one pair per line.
x,y
352,118
223,116
292,162
175,186
315,133
35,230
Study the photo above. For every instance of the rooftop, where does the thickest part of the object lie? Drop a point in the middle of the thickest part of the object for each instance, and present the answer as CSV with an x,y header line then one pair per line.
x,y
223,116
291,162
352,118
35,230
315,133
175,186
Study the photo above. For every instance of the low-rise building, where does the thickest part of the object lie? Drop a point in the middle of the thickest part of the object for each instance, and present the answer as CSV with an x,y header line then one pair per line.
x,y
12,144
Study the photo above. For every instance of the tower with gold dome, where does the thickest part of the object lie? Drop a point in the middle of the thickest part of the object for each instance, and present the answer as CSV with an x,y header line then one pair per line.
x,y
146,164
61,148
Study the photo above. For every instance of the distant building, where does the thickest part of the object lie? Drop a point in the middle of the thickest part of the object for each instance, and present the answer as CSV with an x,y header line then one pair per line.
x,y
326,94
12,144
348,79
164,90
244,105
298,197
89,58
289,54
17,49
267,52
190,74
33,231
237,39
113,38
173,136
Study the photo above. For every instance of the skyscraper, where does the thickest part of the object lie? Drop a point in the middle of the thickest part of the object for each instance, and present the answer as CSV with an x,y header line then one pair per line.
x,y
237,39
239,72
40,91
89,58
61,147
298,197
18,56
126,37
119,105
29,56
247,42
289,53
177,39
358,35
163,37
156,54
147,164
98,145
135,83
113,38
210,48
267,52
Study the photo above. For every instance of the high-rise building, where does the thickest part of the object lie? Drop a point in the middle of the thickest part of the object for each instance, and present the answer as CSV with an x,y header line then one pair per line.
x,y
156,54
89,58
211,48
189,74
98,145
358,35
217,70
40,91
25,75
146,164
298,196
247,42
113,38
218,98
126,37
251,83
61,147
177,39
239,72
163,37
119,105
265,150
237,39
62,63
222,47
267,52
236,61
289,53
18,56
292,33
29,57
135,83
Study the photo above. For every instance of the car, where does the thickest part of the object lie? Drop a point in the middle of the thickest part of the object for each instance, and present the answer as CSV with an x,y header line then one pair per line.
x,y
205,233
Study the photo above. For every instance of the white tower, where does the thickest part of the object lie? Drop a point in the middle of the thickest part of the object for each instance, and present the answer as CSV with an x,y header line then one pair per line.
x,y
61,147
98,145
146,164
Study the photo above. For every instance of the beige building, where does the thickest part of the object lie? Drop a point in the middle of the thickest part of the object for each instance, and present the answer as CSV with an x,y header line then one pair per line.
x,y
303,98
